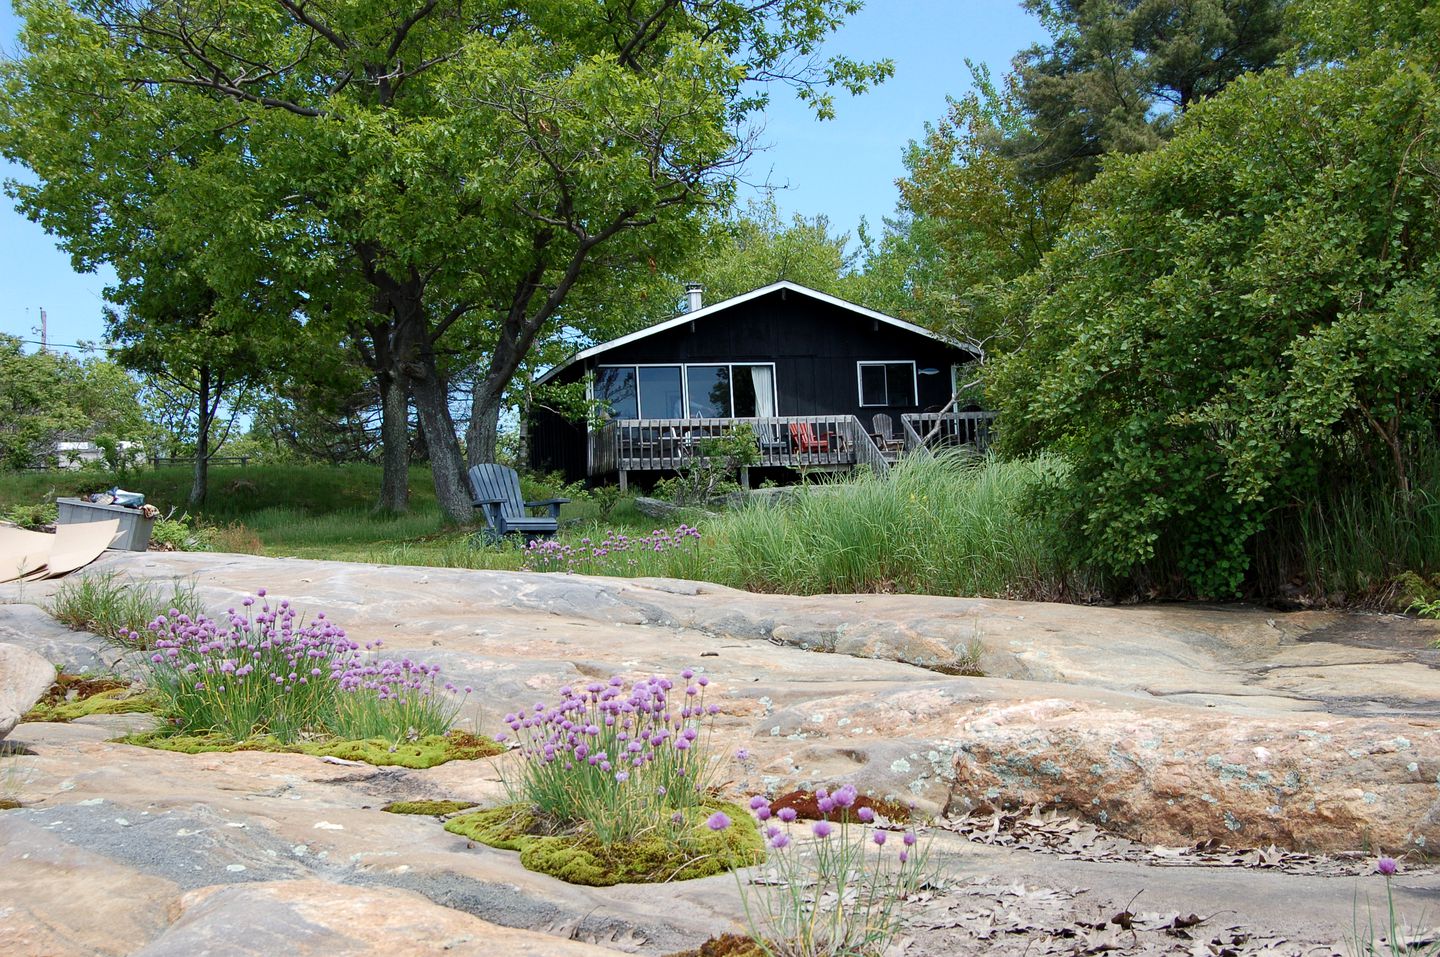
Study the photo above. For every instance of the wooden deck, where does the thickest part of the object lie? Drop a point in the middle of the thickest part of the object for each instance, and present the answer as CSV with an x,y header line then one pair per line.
x,y
934,430
800,442
794,441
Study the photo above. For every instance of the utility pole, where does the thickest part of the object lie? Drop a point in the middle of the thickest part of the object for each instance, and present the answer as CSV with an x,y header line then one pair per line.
x,y
44,331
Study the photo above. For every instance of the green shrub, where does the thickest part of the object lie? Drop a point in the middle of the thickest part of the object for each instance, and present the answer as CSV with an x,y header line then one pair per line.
x,y
182,534
38,516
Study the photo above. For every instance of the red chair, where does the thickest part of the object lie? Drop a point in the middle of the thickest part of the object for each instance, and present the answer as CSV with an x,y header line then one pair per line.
x,y
803,435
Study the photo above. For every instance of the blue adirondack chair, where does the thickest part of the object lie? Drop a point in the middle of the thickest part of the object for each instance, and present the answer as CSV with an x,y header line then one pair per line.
x,y
495,490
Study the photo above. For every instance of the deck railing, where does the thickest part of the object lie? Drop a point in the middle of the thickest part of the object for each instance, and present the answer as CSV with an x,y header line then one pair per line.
x,y
792,441
936,430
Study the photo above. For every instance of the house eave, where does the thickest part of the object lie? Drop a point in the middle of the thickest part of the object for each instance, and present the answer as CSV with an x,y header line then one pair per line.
x,y
784,285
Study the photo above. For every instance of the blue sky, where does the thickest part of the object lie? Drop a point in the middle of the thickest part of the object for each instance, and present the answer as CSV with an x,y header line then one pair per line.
x,y
844,168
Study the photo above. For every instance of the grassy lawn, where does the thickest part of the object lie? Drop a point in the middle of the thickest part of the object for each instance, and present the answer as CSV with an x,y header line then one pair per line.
x,y
321,511
944,526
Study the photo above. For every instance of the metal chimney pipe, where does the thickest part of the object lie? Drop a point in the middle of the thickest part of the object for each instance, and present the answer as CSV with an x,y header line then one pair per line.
x,y
694,296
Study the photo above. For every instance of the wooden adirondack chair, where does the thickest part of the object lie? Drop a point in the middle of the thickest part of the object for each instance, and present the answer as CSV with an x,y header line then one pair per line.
x,y
495,490
770,443
885,433
803,434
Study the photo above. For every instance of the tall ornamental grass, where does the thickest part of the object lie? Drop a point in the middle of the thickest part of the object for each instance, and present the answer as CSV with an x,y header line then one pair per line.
x,y
952,524
1357,536
267,671
619,762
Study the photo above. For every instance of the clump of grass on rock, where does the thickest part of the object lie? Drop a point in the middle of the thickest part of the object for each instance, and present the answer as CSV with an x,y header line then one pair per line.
x,y
615,787
118,608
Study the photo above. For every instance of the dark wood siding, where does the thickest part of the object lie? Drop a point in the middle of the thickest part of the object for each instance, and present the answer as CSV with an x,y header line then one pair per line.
x,y
815,346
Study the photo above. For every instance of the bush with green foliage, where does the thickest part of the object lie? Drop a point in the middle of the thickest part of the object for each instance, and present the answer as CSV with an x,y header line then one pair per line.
x,y
37,516
713,469
46,397
1247,315
182,533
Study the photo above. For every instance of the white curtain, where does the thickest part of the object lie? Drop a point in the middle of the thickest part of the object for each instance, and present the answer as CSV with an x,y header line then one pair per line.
x,y
764,379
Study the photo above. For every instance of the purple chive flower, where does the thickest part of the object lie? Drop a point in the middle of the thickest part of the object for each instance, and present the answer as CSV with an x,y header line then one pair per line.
x,y
879,838
780,841
788,815
822,828
742,755
904,856
718,821
826,805
866,815
845,796
758,801
909,838
763,812
1386,866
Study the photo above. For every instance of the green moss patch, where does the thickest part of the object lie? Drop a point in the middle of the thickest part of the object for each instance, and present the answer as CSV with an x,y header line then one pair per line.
x,y
76,696
430,808
657,857
426,752
115,701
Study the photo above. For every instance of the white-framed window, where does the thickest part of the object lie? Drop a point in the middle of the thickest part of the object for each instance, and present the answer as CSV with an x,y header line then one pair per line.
x,y
893,384
701,390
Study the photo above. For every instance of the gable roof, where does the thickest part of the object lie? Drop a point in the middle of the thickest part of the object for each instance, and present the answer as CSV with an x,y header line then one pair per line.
x,y
783,285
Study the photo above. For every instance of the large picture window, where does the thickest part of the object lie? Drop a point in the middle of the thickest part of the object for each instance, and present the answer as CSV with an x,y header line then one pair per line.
x,y
701,391
615,386
887,384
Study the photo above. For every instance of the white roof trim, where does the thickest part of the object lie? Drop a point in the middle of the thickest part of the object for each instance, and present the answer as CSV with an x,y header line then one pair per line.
x,y
783,284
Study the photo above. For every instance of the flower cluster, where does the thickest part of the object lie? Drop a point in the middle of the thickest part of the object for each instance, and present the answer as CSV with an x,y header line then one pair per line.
x,y
618,759
615,553
268,671
837,893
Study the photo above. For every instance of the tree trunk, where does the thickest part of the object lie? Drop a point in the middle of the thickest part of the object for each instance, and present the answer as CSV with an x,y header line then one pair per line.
x,y
446,466
200,485
394,444
409,352
482,439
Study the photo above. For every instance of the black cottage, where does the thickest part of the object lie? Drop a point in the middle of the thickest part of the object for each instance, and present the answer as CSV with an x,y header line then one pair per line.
x,y
822,383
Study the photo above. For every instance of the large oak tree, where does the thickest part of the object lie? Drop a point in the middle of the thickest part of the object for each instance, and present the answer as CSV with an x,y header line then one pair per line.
x,y
424,178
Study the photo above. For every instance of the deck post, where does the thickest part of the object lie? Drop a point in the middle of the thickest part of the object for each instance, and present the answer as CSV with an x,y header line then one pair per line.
x,y
624,485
